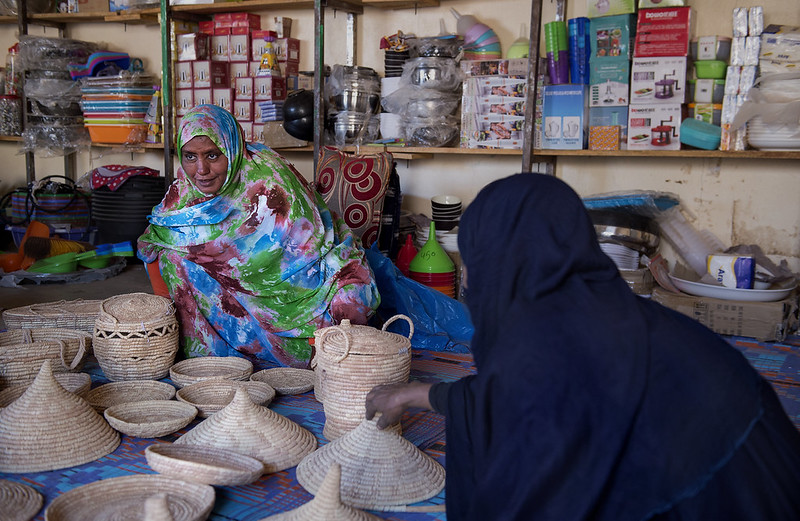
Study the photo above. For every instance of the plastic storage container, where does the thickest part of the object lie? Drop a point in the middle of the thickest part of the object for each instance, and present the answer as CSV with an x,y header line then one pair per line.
x,y
708,112
705,90
710,69
700,134
710,48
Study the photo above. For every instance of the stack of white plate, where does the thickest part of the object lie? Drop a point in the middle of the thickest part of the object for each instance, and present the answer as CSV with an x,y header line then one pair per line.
x,y
624,257
773,136
448,240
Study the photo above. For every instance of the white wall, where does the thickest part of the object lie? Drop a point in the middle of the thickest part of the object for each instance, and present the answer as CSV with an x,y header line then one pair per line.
x,y
741,201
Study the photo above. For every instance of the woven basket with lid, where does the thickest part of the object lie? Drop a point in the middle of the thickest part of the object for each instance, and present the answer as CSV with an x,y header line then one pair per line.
x,y
136,337
350,360
71,314
22,352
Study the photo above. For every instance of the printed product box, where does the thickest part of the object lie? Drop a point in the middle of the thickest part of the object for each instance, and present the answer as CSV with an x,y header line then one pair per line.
x,y
596,8
289,68
211,74
496,86
206,26
658,80
654,127
221,44
243,110
305,81
292,83
258,132
258,42
193,46
503,105
252,69
663,32
183,75
514,67
480,128
287,49
609,82
239,44
184,100
243,88
235,19
223,97
564,117
655,4
612,36
268,88
202,96
611,117
239,70
604,138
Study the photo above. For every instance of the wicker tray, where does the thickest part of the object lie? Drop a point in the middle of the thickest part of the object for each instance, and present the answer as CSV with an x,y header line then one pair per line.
x,y
124,498
210,396
76,383
150,418
286,380
203,464
115,393
193,370
72,314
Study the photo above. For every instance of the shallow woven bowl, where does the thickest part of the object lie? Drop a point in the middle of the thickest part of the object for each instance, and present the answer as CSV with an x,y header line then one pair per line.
x,y
286,380
193,370
210,396
150,418
203,464
124,498
20,502
115,393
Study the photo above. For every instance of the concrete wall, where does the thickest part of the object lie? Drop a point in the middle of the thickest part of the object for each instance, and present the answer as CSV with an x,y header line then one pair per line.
x,y
742,201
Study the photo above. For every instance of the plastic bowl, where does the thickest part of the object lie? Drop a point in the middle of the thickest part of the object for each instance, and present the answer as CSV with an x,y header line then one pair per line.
x,y
710,69
64,263
117,133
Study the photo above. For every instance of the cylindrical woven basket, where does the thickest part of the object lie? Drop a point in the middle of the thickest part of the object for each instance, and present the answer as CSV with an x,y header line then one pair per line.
x,y
76,383
351,360
115,393
203,464
210,396
286,380
70,314
193,370
20,502
136,337
150,418
22,352
125,498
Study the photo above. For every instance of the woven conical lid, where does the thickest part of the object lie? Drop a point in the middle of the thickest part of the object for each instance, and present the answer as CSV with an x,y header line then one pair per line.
x,y
157,509
253,430
327,504
49,428
350,338
381,470
19,502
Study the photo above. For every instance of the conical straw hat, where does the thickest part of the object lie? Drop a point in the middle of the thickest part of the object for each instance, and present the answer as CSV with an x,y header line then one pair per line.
x,y
327,504
49,428
381,470
255,431
20,502
156,508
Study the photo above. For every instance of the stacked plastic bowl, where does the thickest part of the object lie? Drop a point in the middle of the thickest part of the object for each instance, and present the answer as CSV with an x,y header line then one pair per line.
x,y
114,107
480,40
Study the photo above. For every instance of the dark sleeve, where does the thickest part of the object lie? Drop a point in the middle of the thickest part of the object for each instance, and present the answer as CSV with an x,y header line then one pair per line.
x,y
437,395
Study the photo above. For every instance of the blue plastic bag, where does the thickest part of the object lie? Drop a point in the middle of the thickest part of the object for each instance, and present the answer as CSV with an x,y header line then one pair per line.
x,y
440,322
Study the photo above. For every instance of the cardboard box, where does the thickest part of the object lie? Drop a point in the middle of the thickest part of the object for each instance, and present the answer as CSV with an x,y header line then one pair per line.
x,y
243,88
258,42
611,117
184,100
768,321
223,97
287,49
93,6
221,45
269,88
604,138
517,67
612,36
193,46
239,70
211,74
202,96
565,116
607,8
239,44
658,80
243,110
663,32
654,127
609,82
183,75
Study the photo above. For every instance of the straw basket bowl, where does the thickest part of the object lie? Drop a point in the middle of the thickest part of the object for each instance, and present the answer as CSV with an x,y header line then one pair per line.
x,y
125,497
22,352
115,393
76,383
209,396
150,418
350,361
20,502
203,464
193,370
286,380
72,314
136,337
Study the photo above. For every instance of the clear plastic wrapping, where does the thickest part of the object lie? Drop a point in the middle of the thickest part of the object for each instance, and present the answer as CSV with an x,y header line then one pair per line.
x,y
40,52
51,141
432,73
344,77
755,20
441,131
412,101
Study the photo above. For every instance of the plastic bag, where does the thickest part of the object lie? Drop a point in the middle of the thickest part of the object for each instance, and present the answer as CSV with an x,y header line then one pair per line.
x,y
440,323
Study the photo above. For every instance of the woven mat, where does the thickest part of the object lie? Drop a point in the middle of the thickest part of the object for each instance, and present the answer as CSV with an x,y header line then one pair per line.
x,y
272,493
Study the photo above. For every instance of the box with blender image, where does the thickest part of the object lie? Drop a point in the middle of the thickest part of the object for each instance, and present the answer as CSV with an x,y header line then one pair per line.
x,y
658,80
609,82
564,117
611,117
654,127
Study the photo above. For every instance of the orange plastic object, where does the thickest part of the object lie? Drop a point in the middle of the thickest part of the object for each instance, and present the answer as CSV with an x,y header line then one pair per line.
x,y
10,261
35,229
117,133
159,286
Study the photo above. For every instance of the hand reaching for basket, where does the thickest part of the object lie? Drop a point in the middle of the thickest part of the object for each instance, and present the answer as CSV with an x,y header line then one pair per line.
x,y
392,400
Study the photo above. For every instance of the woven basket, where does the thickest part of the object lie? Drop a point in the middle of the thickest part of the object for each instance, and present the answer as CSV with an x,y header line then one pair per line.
x,y
76,383
70,314
20,502
136,337
22,352
209,396
115,393
125,498
150,418
209,465
193,370
351,360
286,380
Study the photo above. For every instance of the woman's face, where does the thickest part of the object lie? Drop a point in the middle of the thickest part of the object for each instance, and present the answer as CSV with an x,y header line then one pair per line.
x,y
205,164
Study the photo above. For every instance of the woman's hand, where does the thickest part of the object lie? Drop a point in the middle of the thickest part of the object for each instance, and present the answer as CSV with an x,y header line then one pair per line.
x,y
392,400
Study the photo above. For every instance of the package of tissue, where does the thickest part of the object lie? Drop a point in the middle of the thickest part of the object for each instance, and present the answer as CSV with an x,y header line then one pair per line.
x,y
732,271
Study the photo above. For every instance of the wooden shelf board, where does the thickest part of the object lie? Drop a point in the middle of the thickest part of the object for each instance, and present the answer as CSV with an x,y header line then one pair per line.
x,y
401,4
13,139
261,5
722,154
147,16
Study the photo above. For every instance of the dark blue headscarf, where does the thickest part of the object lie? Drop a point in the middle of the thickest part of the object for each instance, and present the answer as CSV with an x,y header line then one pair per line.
x,y
589,402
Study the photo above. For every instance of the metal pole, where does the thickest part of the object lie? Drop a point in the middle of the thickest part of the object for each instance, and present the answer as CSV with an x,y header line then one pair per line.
x,y
166,89
533,78
319,69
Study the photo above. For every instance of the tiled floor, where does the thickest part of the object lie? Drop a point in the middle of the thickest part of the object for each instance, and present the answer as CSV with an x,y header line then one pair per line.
x,y
132,279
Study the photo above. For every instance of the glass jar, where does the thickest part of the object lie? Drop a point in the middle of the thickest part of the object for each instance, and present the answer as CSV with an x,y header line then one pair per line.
x,y
10,115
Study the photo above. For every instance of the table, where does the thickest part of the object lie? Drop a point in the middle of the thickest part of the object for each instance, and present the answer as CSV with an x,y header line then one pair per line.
x,y
272,493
